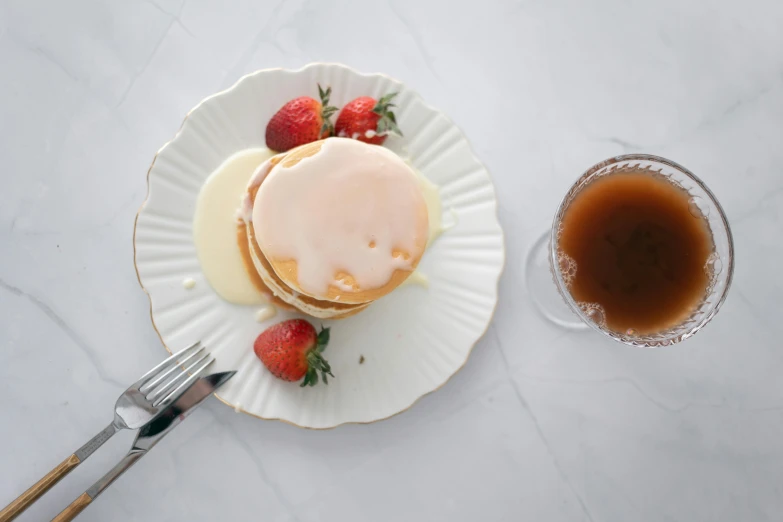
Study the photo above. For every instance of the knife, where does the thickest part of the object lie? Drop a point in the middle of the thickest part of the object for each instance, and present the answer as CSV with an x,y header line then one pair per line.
x,y
149,435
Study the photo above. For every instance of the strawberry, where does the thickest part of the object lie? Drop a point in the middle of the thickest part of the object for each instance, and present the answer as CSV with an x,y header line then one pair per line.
x,y
292,350
302,120
367,120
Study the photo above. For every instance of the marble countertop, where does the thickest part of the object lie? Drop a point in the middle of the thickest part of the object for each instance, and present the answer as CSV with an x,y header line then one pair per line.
x,y
542,423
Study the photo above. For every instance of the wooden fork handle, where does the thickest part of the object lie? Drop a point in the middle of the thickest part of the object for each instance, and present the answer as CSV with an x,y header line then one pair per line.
x,y
15,508
23,501
76,507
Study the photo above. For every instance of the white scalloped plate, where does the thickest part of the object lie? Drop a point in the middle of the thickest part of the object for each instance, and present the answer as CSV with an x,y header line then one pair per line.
x,y
412,341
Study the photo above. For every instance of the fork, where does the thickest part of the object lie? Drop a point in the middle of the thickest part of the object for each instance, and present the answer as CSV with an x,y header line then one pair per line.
x,y
137,406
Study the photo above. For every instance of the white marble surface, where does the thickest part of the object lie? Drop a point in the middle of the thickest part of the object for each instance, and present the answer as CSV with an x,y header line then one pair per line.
x,y
541,424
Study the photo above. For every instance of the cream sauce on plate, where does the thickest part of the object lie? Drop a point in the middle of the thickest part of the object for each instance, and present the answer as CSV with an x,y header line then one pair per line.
x,y
215,227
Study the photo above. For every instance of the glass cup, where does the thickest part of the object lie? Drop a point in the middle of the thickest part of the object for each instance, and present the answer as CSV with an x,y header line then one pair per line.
x,y
546,264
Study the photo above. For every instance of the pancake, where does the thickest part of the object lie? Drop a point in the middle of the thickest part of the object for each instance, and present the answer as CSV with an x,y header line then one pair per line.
x,y
255,277
306,304
338,221
267,281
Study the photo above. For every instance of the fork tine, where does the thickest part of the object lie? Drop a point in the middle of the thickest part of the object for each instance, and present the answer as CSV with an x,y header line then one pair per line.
x,y
155,394
165,363
182,388
144,388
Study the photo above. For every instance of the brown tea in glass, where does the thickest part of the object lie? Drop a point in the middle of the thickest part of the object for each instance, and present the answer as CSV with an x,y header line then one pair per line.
x,y
639,249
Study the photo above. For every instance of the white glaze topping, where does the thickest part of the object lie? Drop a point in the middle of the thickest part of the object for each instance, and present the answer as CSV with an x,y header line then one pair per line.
x,y
350,208
267,312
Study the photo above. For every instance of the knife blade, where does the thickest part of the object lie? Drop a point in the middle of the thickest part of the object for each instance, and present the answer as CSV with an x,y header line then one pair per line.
x,y
149,435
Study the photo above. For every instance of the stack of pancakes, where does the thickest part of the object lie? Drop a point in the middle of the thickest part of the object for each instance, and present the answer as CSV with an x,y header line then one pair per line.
x,y
333,225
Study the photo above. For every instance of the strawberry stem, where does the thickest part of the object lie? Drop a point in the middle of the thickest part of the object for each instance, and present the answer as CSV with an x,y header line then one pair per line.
x,y
327,111
317,366
388,121
323,339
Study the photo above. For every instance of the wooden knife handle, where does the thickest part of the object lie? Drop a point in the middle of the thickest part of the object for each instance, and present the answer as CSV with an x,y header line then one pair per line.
x,y
76,507
23,501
